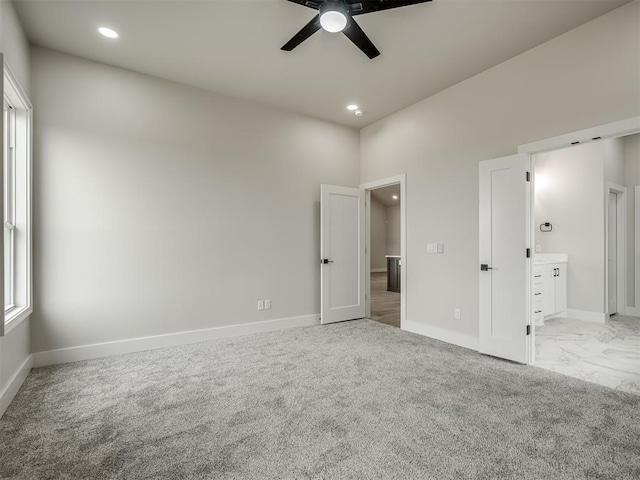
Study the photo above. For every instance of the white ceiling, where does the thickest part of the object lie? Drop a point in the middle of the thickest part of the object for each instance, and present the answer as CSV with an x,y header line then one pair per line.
x,y
385,195
233,46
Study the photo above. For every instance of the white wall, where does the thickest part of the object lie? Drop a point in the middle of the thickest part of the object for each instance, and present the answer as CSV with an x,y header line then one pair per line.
x,y
393,230
613,151
15,346
631,152
586,77
568,194
162,208
14,45
378,235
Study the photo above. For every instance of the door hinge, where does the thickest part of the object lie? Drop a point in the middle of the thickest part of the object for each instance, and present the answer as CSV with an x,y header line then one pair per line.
x,y
528,176
528,253
528,329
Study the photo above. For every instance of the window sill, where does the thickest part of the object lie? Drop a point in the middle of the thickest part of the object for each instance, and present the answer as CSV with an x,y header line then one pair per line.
x,y
15,318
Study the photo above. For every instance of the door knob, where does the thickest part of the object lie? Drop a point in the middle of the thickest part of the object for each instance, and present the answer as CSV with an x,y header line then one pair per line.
x,y
326,260
485,267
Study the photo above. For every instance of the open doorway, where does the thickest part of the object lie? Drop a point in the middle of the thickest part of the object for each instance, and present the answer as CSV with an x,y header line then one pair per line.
x,y
385,273
584,294
386,250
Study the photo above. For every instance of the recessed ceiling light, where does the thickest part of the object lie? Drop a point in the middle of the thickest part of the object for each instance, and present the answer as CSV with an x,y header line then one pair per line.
x,y
358,113
108,32
352,107
395,197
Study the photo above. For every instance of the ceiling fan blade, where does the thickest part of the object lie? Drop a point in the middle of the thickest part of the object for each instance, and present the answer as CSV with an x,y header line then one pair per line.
x,y
369,6
354,33
308,3
309,29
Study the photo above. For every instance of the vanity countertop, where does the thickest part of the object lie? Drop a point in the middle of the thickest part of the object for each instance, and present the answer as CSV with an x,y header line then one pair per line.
x,y
392,256
545,258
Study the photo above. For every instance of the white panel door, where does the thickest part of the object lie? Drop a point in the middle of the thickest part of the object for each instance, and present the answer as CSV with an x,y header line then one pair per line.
x,y
505,293
612,254
342,253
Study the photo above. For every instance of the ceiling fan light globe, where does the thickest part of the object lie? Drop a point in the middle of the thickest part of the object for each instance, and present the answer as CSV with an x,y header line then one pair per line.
x,y
333,21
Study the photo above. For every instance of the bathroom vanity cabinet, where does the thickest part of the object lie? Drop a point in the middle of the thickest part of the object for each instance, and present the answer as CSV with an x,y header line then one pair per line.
x,y
549,289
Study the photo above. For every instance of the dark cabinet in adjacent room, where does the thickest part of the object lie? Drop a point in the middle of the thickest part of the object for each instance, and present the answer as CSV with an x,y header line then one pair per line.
x,y
393,273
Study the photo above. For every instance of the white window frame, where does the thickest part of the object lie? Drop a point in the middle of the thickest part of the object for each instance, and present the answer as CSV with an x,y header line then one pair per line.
x,y
9,179
16,205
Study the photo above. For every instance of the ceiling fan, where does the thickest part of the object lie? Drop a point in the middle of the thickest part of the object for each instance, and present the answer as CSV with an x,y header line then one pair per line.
x,y
337,16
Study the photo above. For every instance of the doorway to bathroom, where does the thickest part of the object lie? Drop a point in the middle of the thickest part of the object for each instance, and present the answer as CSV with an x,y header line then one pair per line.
x,y
585,293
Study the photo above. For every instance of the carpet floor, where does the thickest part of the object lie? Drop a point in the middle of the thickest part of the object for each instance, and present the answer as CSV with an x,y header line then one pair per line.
x,y
355,400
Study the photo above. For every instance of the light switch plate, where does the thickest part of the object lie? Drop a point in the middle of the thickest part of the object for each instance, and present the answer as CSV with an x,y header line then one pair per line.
x,y
432,248
441,248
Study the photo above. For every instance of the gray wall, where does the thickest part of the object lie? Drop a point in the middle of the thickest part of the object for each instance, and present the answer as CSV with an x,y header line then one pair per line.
x,y
15,347
393,230
631,152
162,208
14,45
438,143
378,235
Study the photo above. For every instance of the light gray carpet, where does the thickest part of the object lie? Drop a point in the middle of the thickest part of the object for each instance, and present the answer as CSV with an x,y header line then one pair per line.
x,y
357,400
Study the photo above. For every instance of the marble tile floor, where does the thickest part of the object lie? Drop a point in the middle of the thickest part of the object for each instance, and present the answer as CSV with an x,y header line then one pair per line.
x,y
604,353
385,306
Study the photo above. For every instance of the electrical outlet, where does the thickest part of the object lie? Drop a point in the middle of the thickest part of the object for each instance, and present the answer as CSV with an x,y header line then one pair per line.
x,y
267,304
260,305
457,314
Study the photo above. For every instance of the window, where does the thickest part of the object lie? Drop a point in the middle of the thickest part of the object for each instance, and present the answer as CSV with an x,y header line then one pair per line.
x,y
16,203
9,160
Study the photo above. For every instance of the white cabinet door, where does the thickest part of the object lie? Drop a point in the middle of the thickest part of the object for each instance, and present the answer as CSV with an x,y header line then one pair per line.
x,y
560,289
548,290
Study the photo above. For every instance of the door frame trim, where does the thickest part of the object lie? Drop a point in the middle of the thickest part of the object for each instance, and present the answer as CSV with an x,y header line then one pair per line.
x,y
367,187
621,128
621,247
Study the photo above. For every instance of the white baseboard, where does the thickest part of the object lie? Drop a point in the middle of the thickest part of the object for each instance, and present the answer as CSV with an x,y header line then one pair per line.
x,y
378,270
441,334
87,352
10,390
587,316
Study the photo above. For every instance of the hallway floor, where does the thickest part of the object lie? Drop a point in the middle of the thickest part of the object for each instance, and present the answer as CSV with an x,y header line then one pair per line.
x,y
604,353
385,306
